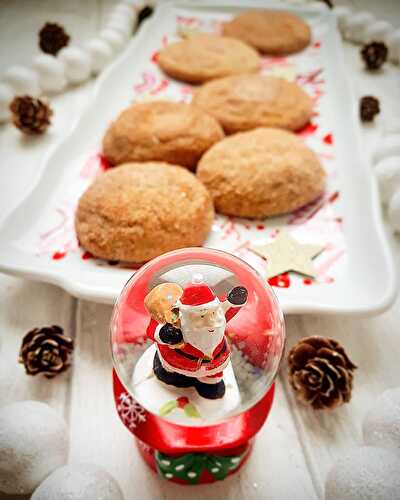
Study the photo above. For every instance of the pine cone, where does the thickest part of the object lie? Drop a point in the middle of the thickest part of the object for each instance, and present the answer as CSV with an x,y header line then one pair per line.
x,y
374,55
52,38
328,3
30,115
144,14
369,107
46,350
320,372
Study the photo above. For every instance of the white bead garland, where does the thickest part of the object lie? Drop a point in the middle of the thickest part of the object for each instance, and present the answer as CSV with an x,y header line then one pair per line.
x,y
100,53
379,30
22,80
387,172
6,95
393,43
357,25
51,71
114,38
73,64
362,27
77,64
388,146
394,212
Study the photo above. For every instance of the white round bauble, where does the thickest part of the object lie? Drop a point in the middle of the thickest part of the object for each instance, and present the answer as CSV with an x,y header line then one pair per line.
x,y
121,25
357,25
23,81
33,443
51,72
6,96
342,16
387,172
393,43
100,53
113,38
388,146
377,31
79,482
125,11
77,64
394,212
381,425
365,473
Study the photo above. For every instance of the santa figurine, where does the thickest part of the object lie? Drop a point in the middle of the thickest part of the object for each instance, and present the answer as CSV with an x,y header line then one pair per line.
x,y
188,326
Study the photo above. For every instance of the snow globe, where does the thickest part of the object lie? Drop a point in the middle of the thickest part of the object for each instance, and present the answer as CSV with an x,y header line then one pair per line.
x,y
197,337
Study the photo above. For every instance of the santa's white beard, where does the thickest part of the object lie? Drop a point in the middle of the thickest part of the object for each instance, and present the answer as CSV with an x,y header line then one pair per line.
x,y
204,339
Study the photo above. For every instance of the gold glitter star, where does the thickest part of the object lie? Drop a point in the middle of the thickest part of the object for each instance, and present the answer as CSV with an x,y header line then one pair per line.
x,y
285,254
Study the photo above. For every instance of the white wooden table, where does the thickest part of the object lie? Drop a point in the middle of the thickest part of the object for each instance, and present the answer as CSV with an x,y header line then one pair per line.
x,y
297,446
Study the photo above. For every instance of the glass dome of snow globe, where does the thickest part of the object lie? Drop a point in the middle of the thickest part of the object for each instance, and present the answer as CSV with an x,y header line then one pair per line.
x,y
197,337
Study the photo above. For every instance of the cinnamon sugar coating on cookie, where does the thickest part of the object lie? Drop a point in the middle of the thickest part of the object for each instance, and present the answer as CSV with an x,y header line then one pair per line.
x,y
167,131
261,173
271,32
141,210
204,56
245,102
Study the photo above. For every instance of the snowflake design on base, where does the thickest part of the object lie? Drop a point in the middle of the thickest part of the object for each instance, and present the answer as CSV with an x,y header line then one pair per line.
x,y
130,411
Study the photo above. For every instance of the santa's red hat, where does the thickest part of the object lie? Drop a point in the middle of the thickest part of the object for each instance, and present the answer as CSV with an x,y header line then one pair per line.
x,y
197,295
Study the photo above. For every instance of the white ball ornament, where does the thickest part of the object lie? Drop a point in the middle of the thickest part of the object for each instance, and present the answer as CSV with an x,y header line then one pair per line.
x,y
342,14
136,4
79,482
388,146
394,212
33,443
357,25
77,64
126,12
387,172
22,80
100,54
381,425
51,72
393,43
377,31
6,96
365,473
113,38
121,25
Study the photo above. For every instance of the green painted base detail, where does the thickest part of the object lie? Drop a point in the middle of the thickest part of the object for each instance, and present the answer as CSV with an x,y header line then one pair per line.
x,y
190,467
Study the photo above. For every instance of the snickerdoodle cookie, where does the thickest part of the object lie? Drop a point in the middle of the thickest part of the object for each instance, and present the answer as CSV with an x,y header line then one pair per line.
x,y
163,131
270,31
245,102
204,56
140,210
261,173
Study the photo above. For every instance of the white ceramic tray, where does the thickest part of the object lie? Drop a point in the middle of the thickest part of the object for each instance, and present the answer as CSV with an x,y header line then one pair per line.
x,y
355,272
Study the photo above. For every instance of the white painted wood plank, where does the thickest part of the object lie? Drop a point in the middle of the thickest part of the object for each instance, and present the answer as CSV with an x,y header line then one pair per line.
x,y
277,468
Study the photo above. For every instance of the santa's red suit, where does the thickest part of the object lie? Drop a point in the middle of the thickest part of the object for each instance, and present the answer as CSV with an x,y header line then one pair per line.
x,y
204,351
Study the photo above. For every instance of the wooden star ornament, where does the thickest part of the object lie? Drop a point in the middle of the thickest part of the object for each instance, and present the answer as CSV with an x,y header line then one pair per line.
x,y
285,254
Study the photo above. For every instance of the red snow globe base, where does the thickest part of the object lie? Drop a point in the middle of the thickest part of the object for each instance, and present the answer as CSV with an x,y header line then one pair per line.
x,y
194,389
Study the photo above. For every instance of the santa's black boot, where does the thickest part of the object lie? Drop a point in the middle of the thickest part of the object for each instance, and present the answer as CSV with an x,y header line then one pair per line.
x,y
211,391
171,378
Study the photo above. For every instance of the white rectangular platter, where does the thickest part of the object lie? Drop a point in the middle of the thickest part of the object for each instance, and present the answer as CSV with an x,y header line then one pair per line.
x,y
355,272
